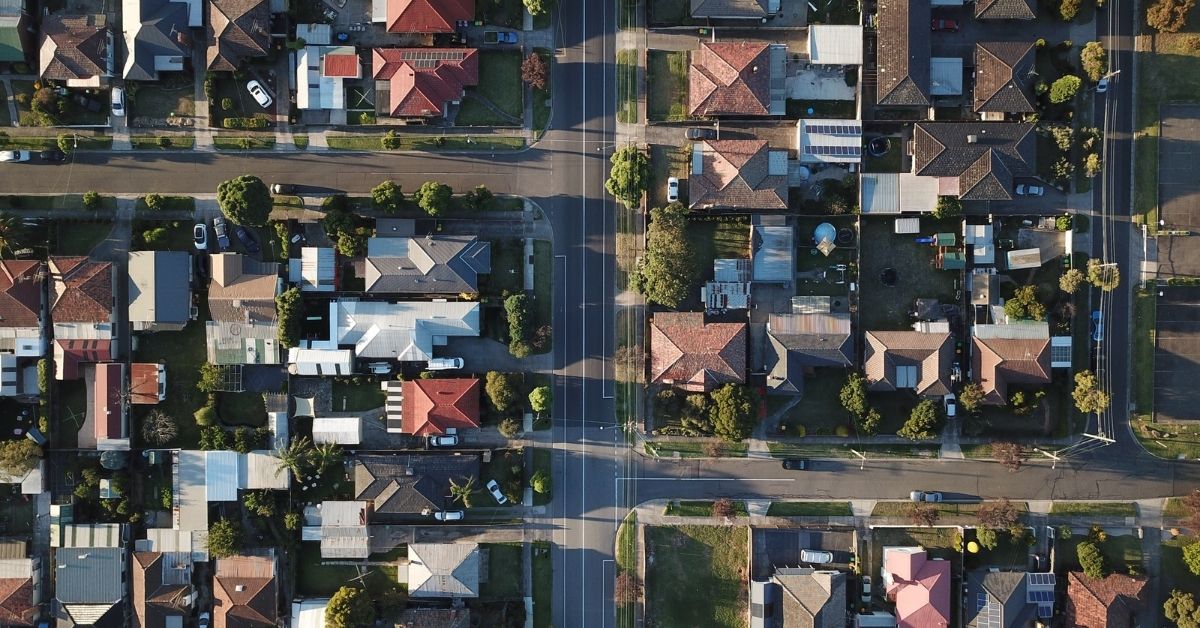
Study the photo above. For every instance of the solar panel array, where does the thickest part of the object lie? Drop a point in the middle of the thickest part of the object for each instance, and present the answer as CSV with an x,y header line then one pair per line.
x,y
1045,611
988,611
431,57
834,129
1041,579
836,151
1040,596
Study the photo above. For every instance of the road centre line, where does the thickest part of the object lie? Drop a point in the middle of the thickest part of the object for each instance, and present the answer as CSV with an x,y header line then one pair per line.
x,y
621,478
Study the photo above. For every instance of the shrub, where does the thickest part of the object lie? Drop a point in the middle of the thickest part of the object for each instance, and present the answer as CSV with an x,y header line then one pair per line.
x,y
390,141
1090,560
921,422
226,104
1064,89
509,428
244,123
155,201
947,207
1068,9
534,71
206,416
91,200
387,196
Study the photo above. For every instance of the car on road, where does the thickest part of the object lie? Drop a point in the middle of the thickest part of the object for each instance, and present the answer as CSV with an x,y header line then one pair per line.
x,y
118,102
1026,189
494,488
944,25
925,496
951,405
1102,86
672,189
283,188
247,239
449,515
53,155
1097,326
816,557
701,133
443,440
205,620
795,464
260,95
14,155
200,236
444,364
866,589
219,226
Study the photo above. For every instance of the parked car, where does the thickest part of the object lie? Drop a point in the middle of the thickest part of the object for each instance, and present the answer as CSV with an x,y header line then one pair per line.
x,y
951,405
494,489
795,464
1026,189
943,25
118,102
925,496
379,368
14,155
449,515
499,37
701,133
444,440
204,620
1102,86
283,188
1097,326
672,189
53,155
200,237
246,238
866,589
816,557
444,364
222,233
260,95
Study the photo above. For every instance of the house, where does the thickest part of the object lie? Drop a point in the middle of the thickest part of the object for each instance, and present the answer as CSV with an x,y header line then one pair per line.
x,y
227,472
160,298
1003,79
321,73
1017,353
162,589
430,407
21,283
799,597
341,430
694,355
772,253
20,587
421,82
434,618
157,37
110,416
1005,10
76,49
1113,602
975,161
734,9
237,30
737,174
400,486
81,306
315,270
903,52
309,613
245,592
426,265
918,586
340,527
241,304
320,361
1008,599
737,79
422,16
405,331
829,141
918,361
89,587
445,570
147,383
798,343
835,44
16,32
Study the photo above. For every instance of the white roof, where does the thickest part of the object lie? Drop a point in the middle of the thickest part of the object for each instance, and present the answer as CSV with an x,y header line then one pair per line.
x,y
1024,258
32,482
261,470
346,430
168,540
315,91
315,34
946,76
191,502
16,567
309,613
406,331
345,542
830,44
979,238
908,225
897,192
320,361
315,269
342,513
221,476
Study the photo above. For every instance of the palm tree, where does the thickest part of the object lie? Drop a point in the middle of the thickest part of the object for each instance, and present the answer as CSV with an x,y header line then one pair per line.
x,y
10,232
324,456
462,492
295,456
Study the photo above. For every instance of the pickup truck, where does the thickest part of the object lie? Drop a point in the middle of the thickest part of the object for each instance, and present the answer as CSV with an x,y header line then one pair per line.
x,y
499,37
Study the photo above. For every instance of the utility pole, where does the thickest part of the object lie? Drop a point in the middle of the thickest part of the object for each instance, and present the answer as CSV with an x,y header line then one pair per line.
x,y
861,457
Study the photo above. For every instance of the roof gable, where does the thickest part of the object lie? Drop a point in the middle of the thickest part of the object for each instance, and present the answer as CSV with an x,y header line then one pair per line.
x,y
237,29
433,406
244,592
1002,77
695,355
1005,10
1112,602
82,291
73,47
908,359
16,602
422,80
730,78
903,52
21,292
984,156
737,174
998,362
428,16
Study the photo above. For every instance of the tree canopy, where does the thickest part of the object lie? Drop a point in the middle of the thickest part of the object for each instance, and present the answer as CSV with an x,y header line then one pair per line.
x,y
433,197
224,538
732,412
1087,394
1104,276
921,423
669,265
349,607
629,176
1181,608
18,457
500,389
245,200
854,395
1071,281
1090,560
1024,305
541,398
387,196
1064,89
1094,60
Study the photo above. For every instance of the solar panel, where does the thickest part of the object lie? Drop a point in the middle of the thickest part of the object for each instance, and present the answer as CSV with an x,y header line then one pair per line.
x,y
1041,579
981,600
1045,611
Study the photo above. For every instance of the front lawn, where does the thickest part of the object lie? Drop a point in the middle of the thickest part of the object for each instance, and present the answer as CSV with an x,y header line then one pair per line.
x,y
696,576
507,468
695,449
74,238
1175,572
432,143
500,84
820,410
357,397
666,85
150,235
1119,552
172,95
508,268
156,142
667,161
503,570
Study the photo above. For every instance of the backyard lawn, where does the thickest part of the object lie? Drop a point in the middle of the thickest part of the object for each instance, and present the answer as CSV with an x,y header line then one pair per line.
x,y
500,84
666,85
349,397
504,571
717,239
915,278
316,579
242,408
72,407
183,352
696,576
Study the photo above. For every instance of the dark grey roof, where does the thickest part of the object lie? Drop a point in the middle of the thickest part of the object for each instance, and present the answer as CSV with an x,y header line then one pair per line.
x,y
1004,588
429,265
903,51
729,8
89,575
410,484
163,32
1005,10
985,156
1002,77
796,342
164,296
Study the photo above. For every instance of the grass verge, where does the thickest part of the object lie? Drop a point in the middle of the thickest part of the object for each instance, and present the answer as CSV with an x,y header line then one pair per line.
x,y
154,142
626,557
543,584
1143,349
1094,509
810,509
542,461
431,143
700,509
243,142
627,70
684,449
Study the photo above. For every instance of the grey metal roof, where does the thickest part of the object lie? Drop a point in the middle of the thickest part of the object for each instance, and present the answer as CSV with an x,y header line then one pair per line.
x,y
443,570
158,286
772,248
429,265
89,575
161,31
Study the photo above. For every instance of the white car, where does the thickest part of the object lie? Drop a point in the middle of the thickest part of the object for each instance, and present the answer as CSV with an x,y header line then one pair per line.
x,y
379,368
449,515
445,364
1030,190
494,488
204,620
817,557
200,236
14,155
1102,86
445,440
951,405
118,102
260,95
672,189
925,496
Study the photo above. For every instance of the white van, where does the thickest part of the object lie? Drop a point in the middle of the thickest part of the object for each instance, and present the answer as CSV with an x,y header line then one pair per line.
x,y
816,557
445,364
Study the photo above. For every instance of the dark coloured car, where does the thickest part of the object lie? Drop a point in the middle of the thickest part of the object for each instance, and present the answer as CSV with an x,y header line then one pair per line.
x,y
941,25
222,233
701,133
247,239
53,155
795,464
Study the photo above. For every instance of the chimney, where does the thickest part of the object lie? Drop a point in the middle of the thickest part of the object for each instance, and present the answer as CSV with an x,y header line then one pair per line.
x,y
972,139
754,69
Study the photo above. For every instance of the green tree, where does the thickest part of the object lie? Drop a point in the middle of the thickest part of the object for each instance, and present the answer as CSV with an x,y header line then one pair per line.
x,y
732,412
210,378
10,233
18,457
669,265
479,198
66,143
296,457
293,521
971,397
1068,9
868,424
1064,89
433,197
539,7
1094,60
516,309
1092,165
261,503
509,428
1181,608
391,141
1169,16
629,176
1191,557
387,196
1090,560
987,538
922,422
352,243
1024,305
854,395
349,608
1087,394
287,309
206,415
947,207
245,200
154,201
1071,281
1011,455
541,398
1104,276
500,389
541,482
224,538
464,492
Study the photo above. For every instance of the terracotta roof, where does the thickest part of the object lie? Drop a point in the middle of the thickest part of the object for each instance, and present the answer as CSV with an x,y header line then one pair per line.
x,y
16,602
153,599
82,290
431,406
1002,77
1005,10
73,47
143,383
730,78
920,588
908,359
427,16
984,156
242,289
422,80
106,401
741,9
694,355
903,52
20,293
341,65
998,362
738,174
244,592
237,29
1109,603
69,354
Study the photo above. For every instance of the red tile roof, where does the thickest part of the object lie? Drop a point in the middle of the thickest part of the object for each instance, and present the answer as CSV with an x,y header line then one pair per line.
x,y
106,401
431,406
1109,603
422,80
737,174
998,362
69,354
244,593
341,66
920,588
82,291
143,383
20,293
694,355
730,78
427,16
16,602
